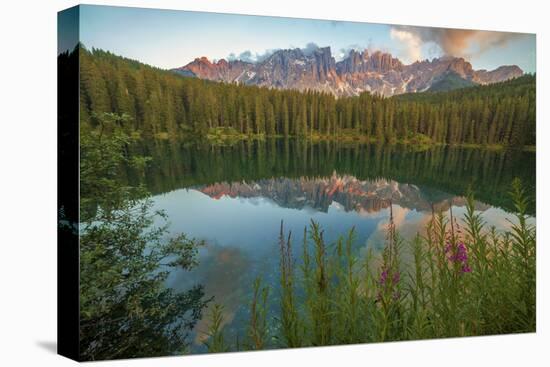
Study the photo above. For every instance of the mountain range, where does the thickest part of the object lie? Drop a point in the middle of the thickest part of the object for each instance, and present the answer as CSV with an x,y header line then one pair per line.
x,y
347,192
360,71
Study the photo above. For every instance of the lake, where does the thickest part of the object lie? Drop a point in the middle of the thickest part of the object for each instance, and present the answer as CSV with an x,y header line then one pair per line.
x,y
234,197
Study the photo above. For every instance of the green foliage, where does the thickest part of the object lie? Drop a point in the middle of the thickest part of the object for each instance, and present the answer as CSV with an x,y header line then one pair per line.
x,y
420,140
228,136
102,153
290,326
258,328
450,81
319,308
125,309
349,311
163,103
523,255
464,280
216,339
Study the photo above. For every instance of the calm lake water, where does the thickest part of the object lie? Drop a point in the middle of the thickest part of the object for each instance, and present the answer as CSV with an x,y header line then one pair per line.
x,y
234,198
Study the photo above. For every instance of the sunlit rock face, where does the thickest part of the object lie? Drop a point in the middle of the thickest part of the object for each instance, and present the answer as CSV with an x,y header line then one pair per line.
x,y
343,191
360,71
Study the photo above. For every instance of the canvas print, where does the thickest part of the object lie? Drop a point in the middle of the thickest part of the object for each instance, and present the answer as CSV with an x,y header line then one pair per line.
x,y
236,182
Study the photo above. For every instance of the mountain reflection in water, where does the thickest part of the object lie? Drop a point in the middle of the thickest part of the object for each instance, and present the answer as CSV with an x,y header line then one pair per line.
x,y
234,198
240,221
346,191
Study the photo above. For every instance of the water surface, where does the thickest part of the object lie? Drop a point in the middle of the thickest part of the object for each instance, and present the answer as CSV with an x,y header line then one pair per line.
x,y
235,197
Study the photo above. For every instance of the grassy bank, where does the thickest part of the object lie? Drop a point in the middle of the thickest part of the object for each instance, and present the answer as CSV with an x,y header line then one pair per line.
x,y
229,136
464,280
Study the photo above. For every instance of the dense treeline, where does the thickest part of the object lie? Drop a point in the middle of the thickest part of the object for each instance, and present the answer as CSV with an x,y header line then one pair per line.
x,y
161,102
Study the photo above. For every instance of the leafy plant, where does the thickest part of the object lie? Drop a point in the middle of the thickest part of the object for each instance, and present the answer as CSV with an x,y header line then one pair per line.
x,y
125,308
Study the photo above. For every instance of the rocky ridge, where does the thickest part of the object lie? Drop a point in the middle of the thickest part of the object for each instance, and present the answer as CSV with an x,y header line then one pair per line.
x,y
360,71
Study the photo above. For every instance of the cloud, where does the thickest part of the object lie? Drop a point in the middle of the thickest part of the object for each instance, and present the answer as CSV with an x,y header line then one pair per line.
x,y
249,56
344,51
453,42
412,41
310,48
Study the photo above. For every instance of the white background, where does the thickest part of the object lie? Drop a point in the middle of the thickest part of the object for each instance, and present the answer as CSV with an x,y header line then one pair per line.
x,y
28,182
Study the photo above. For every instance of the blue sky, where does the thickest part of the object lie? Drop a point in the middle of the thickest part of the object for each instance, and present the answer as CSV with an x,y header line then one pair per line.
x,y
169,38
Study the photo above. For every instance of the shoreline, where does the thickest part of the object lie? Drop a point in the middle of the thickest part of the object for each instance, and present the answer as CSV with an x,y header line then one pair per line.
x,y
228,139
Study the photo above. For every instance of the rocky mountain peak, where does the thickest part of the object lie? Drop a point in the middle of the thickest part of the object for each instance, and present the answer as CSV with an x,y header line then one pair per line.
x,y
461,67
362,62
360,71
222,63
321,193
500,73
384,62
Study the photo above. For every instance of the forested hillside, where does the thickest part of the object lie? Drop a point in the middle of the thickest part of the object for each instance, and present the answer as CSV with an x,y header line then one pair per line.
x,y
160,102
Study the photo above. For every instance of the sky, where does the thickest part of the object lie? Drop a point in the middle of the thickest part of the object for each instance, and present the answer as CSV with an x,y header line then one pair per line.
x,y
170,38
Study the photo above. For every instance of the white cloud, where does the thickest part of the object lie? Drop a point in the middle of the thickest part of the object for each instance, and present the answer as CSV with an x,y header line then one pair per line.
x,y
454,42
412,41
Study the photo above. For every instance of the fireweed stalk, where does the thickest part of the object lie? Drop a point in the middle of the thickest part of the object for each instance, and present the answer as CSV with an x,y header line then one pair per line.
x,y
389,294
389,273
455,248
452,283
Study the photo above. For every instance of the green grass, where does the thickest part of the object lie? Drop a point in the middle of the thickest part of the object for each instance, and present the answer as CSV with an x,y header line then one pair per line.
x,y
464,280
228,136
